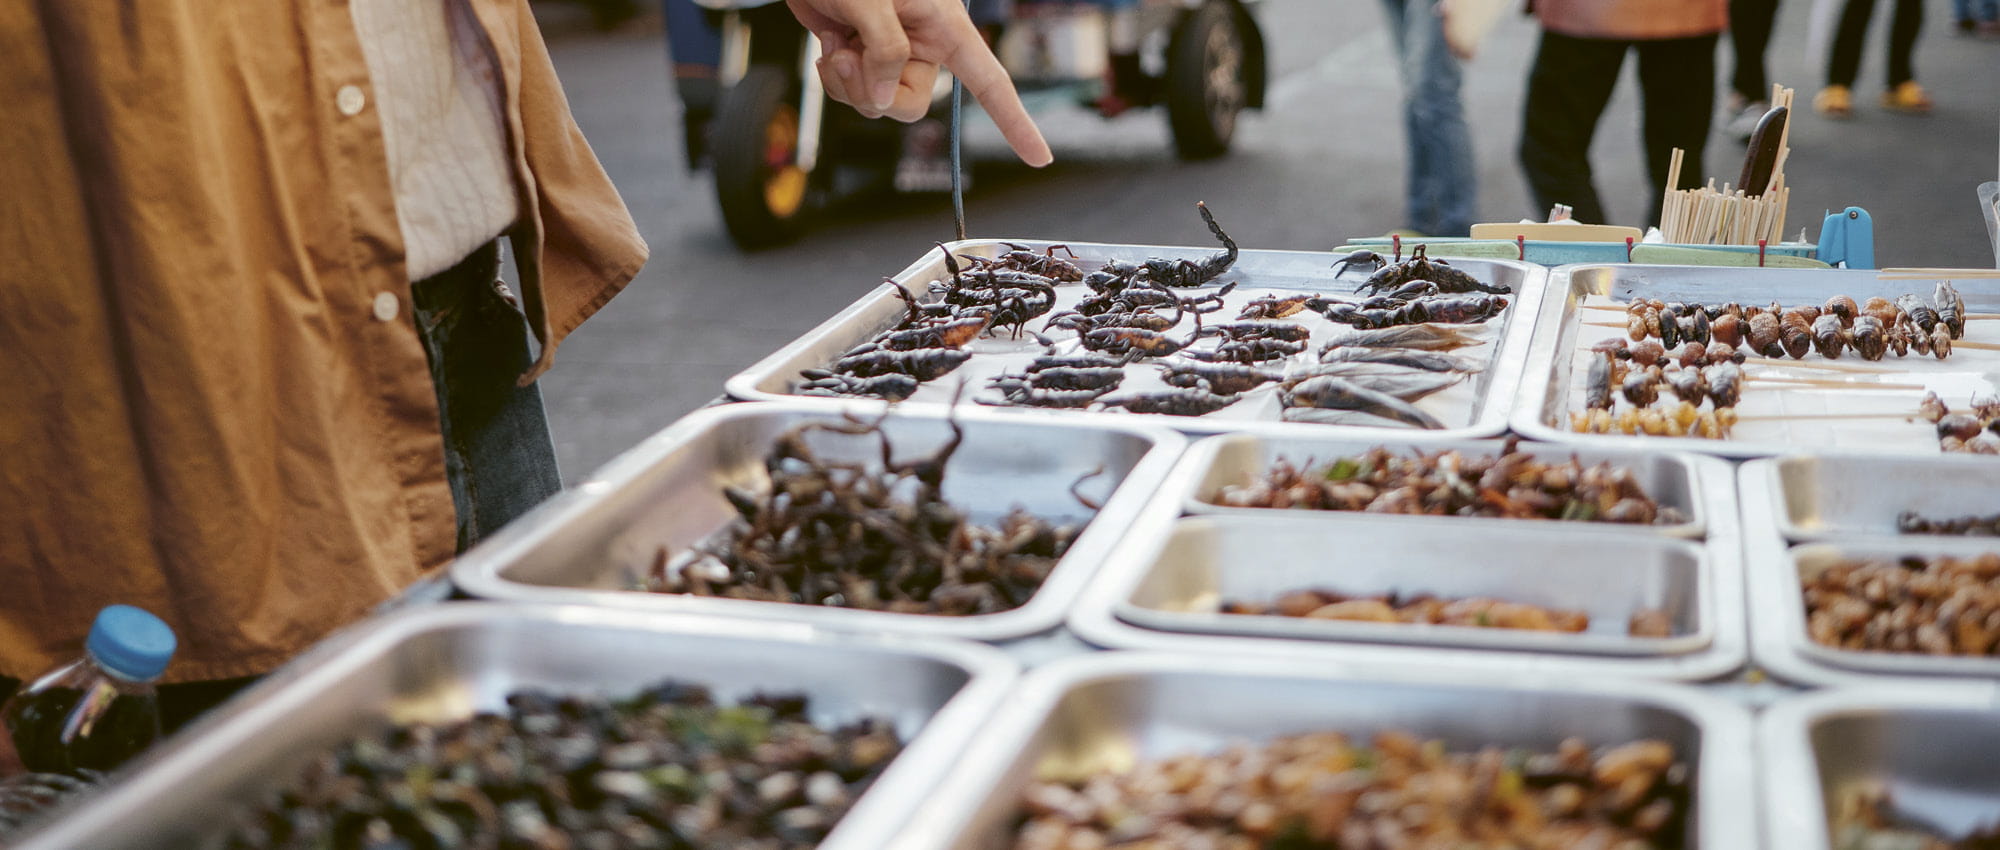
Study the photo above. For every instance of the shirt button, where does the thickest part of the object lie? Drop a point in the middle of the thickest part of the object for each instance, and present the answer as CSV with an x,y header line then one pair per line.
x,y
349,100
386,305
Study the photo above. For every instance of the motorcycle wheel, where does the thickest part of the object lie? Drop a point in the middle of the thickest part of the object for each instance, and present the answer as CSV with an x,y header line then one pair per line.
x,y
755,145
1205,88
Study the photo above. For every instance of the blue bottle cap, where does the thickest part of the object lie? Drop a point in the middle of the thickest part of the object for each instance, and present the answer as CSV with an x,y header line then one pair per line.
x,y
131,643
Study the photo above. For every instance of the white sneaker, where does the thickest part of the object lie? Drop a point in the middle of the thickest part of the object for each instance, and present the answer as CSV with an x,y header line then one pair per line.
x,y
1743,124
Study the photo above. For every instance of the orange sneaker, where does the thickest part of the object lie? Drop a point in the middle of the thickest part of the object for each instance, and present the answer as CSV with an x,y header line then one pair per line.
x,y
1907,97
1834,102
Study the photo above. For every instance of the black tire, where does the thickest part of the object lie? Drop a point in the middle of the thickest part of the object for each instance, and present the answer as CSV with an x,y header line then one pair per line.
x,y
757,182
1205,86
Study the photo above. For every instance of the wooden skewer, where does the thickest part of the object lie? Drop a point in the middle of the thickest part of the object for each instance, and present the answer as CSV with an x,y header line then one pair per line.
x,y
1947,274
1833,384
1831,367
1785,417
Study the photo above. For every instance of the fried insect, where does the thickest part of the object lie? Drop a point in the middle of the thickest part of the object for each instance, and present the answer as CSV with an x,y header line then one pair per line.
x,y
924,364
1869,337
1842,308
1763,335
1828,336
1421,267
1882,309
950,334
1950,308
1727,329
1909,522
1449,309
1327,392
1938,605
1648,352
1362,257
1220,378
548,770
1429,361
1135,341
1920,313
1413,337
1198,401
1513,485
1795,333
1641,388
1064,378
1259,330
1597,385
1246,351
843,534
1941,342
1141,319
1725,384
1423,608
1188,273
1274,306
1688,385
1046,264
893,386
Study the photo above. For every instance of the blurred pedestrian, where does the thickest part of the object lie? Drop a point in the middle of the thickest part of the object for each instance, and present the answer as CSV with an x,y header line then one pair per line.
x,y
1843,61
1750,24
1441,184
1976,15
1583,45
263,372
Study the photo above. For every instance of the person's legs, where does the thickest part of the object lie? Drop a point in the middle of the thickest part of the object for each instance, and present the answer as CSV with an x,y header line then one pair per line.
x,y
1677,92
1749,34
498,454
1904,27
1570,82
1843,61
1441,179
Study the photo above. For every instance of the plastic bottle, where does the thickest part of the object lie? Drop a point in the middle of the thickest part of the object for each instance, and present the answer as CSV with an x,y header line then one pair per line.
x,y
100,710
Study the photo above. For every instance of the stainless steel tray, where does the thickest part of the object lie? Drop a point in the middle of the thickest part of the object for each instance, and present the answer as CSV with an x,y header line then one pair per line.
x,y
449,661
1097,614
1476,408
1779,624
1109,710
1551,378
1208,560
1931,747
667,492
1236,459
1818,496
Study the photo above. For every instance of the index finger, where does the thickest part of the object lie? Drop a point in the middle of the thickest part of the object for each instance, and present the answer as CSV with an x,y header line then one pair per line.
x,y
975,65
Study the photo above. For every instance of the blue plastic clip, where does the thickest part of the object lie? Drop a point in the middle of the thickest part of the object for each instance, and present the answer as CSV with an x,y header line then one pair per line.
x,y
1848,237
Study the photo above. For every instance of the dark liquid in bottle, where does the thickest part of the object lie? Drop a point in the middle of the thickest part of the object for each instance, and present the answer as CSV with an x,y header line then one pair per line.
x,y
127,728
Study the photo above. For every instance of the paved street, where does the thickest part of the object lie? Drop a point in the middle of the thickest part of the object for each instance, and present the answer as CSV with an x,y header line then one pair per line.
x,y
1321,164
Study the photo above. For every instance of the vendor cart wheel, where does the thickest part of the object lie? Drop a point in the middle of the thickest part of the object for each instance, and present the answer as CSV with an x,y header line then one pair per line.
x,y
755,143
1205,88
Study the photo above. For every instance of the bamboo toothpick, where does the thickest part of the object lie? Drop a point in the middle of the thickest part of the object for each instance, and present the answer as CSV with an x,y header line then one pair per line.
x,y
1785,417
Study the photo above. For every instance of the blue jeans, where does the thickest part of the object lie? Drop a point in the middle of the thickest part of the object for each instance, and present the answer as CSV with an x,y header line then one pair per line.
x,y
1975,10
1442,181
497,451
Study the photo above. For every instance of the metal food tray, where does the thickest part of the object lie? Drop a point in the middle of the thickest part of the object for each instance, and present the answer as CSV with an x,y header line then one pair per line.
x,y
1932,748
1238,459
1100,613
668,492
1818,496
1477,407
1209,560
1779,626
1551,377
450,661
1110,710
